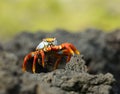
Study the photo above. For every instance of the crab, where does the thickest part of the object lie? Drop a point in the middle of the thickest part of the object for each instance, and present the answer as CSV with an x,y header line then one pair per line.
x,y
49,45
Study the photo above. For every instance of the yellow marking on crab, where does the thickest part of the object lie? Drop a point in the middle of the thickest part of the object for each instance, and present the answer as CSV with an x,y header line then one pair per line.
x,y
49,39
71,51
77,52
23,69
33,69
60,47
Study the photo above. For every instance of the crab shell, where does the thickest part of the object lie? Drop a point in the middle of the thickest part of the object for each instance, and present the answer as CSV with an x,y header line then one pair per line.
x,y
46,43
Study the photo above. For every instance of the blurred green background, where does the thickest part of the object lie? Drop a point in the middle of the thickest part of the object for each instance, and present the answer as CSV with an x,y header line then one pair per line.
x,y
73,15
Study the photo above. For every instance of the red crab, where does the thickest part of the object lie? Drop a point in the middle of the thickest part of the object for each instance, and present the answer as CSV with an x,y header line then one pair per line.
x,y
49,45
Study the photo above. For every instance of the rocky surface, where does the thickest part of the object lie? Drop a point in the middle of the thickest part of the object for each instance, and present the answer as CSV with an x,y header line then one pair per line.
x,y
73,79
101,55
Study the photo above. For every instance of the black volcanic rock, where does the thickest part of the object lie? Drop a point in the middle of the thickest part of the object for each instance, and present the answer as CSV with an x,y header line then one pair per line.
x,y
73,79
70,81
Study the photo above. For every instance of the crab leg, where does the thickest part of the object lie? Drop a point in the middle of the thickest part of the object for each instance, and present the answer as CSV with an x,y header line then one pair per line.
x,y
71,48
68,58
57,62
26,59
66,52
74,49
67,48
34,63
42,56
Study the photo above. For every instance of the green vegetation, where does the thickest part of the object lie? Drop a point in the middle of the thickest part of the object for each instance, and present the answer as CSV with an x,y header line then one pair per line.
x,y
74,15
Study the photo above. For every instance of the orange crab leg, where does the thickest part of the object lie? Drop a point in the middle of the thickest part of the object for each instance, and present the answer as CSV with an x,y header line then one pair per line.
x,y
74,49
66,46
68,58
57,62
55,48
66,52
70,47
26,59
34,63
70,50
43,56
